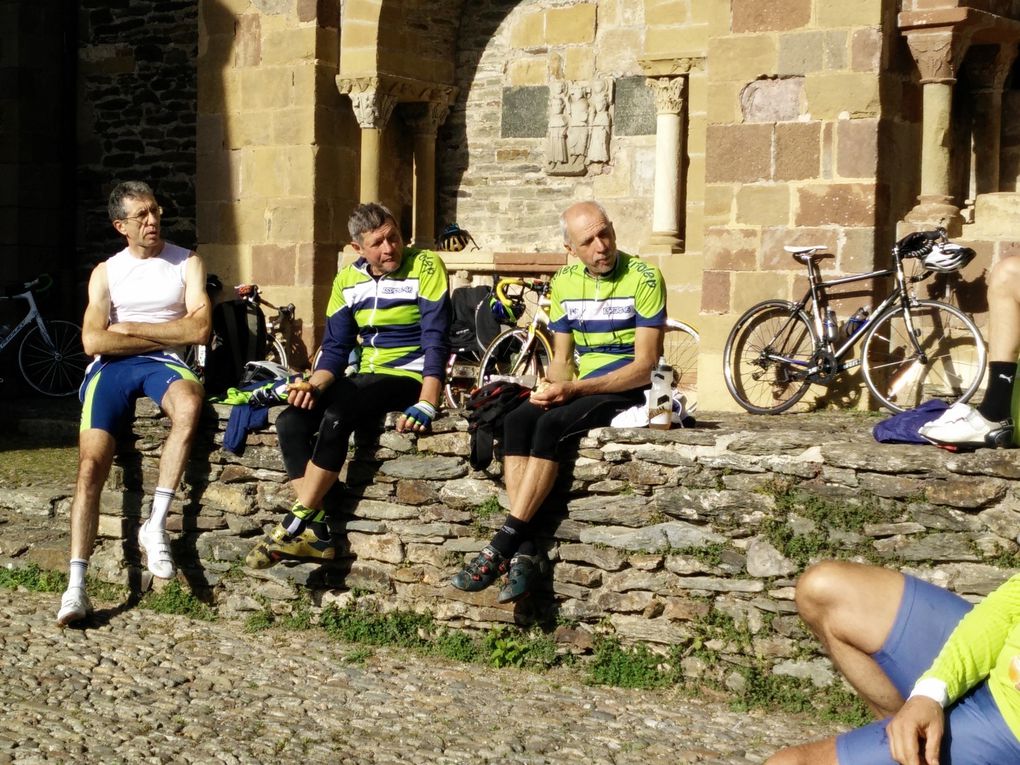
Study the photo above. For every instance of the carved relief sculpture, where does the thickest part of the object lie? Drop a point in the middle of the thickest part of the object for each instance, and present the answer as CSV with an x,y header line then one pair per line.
x,y
580,126
578,121
598,146
557,148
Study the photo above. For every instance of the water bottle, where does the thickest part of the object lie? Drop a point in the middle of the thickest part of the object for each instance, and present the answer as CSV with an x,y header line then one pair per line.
x,y
854,323
829,324
660,396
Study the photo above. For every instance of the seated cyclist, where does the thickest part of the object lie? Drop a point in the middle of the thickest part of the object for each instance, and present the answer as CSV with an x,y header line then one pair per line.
x,y
394,298
895,637
611,307
990,424
145,303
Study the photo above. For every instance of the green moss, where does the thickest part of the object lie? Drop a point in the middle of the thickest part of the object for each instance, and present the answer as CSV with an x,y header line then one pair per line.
x,y
174,599
33,578
626,667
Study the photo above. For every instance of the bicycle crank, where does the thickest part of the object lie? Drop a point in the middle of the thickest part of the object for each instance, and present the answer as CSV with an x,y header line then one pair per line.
x,y
824,368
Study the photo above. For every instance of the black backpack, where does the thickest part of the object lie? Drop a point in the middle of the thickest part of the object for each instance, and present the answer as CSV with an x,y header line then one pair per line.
x,y
486,408
238,336
472,326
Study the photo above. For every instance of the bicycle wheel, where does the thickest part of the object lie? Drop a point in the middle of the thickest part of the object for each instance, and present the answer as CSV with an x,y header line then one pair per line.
x,y
510,355
55,367
950,341
680,347
276,352
765,356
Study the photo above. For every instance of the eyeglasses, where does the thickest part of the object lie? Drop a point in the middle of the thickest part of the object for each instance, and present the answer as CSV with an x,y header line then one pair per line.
x,y
139,218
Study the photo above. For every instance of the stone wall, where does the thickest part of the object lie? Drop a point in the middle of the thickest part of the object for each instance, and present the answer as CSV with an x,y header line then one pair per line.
x,y
812,132
654,535
493,176
37,142
277,149
137,112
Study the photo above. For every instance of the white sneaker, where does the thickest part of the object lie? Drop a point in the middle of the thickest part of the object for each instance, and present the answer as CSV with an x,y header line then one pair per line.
x,y
963,425
74,606
157,551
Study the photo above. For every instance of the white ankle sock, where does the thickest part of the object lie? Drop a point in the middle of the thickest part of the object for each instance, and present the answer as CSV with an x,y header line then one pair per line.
x,y
76,576
160,507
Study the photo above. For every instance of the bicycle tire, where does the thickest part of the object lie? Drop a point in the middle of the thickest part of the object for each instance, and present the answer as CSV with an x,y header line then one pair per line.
x,y
680,344
276,352
54,368
762,385
503,356
954,346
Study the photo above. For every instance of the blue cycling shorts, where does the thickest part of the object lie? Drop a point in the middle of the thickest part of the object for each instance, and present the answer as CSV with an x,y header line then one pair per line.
x,y
112,385
976,734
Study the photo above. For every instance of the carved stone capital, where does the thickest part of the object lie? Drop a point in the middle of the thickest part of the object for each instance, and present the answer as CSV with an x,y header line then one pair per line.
x,y
372,105
671,66
988,65
937,52
425,118
669,94
375,96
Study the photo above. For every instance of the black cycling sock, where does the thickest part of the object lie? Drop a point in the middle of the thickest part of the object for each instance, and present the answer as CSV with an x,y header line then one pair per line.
x,y
510,536
527,547
295,525
999,394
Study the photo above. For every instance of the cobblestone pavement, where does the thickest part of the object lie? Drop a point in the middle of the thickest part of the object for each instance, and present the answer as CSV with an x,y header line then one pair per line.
x,y
136,686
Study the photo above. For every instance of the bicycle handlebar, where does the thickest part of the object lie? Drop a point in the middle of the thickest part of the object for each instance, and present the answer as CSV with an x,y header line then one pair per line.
x,y
541,286
918,243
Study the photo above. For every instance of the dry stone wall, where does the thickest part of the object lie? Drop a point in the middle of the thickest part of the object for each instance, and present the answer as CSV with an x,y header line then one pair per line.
x,y
138,113
658,537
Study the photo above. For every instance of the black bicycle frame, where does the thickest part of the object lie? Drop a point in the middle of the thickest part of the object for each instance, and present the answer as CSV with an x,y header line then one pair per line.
x,y
818,298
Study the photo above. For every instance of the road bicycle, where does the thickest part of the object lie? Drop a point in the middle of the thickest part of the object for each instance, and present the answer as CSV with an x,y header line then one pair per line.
x,y
279,327
523,353
913,349
51,357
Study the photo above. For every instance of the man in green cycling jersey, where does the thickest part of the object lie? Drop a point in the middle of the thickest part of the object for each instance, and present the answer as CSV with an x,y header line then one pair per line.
x,y
393,303
944,675
611,308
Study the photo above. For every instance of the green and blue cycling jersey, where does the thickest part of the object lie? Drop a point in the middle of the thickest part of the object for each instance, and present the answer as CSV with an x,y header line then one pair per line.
x,y
986,644
401,318
603,312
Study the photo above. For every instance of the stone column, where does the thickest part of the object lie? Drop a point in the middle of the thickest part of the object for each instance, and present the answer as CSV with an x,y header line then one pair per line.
x,y
987,67
669,107
372,109
424,120
937,54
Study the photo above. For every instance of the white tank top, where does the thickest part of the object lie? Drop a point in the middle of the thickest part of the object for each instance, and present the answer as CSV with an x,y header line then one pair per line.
x,y
147,290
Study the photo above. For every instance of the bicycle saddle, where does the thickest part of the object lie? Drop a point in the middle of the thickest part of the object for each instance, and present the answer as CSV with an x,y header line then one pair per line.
x,y
808,253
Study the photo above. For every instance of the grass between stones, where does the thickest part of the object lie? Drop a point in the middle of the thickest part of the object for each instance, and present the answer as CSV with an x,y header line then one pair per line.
x,y
611,662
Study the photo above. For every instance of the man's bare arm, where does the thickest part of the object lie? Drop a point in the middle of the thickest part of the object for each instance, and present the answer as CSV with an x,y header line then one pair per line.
x,y
191,329
633,375
96,336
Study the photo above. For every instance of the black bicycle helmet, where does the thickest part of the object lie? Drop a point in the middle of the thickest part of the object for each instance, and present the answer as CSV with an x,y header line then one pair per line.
x,y
454,239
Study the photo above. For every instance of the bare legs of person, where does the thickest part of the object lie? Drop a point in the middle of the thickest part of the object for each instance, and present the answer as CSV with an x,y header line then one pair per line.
x,y
183,405
528,482
990,423
303,532
851,608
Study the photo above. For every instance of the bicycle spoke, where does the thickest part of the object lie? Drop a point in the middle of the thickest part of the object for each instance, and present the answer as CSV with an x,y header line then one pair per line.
x,y
951,366
765,357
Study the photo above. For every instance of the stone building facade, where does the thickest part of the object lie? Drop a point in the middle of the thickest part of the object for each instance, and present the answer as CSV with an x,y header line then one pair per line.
x,y
714,131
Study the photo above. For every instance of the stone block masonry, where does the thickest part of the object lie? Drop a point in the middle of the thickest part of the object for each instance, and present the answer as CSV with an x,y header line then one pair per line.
x,y
649,532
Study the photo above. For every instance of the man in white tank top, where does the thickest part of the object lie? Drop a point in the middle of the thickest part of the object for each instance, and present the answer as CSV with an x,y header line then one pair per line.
x,y
145,303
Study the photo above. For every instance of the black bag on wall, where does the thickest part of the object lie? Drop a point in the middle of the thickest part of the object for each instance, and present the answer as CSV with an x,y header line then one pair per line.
x,y
238,336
